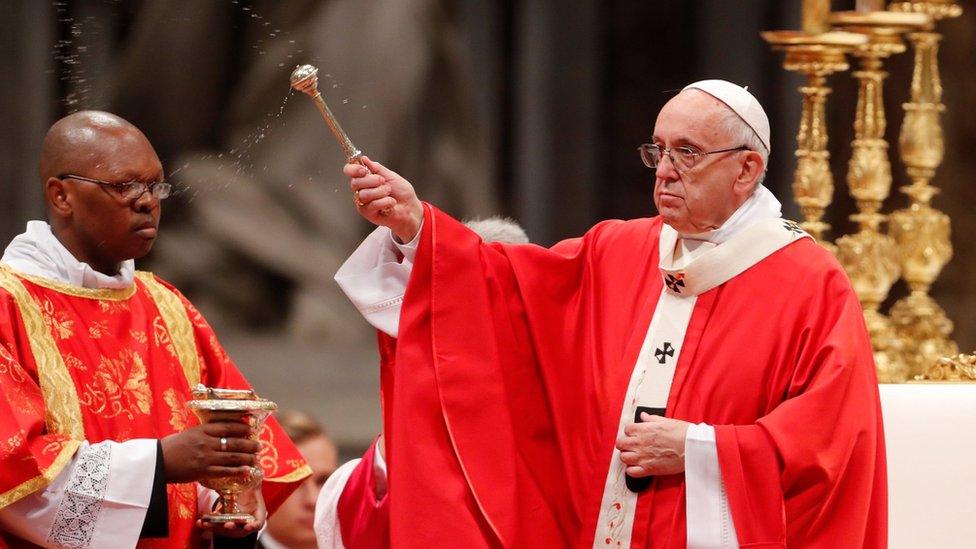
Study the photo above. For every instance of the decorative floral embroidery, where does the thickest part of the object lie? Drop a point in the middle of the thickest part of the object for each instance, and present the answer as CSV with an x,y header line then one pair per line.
x,y
218,349
11,366
54,446
161,336
9,446
268,456
59,322
183,499
118,387
195,317
73,362
113,307
81,504
139,336
179,418
21,395
615,525
97,328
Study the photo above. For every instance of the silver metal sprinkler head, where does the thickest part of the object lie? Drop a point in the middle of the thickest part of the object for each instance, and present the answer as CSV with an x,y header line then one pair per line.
x,y
305,79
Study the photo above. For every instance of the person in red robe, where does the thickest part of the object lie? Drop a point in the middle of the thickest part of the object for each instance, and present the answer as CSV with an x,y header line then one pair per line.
x,y
702,378
97,360
352,510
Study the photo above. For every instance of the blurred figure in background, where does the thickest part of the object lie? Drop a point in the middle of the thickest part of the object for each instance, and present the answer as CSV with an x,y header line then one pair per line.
x,y
291,526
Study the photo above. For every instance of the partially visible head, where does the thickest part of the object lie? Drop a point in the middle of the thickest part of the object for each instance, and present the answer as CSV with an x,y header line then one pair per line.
x,y
93,220
498,229
709,116
292,524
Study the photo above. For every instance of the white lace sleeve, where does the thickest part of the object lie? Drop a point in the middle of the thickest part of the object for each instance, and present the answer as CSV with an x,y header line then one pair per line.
x,y
375,279
709,523
99,500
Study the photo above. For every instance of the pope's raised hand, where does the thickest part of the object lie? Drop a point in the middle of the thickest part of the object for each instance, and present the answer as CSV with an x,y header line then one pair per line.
x,y
385,198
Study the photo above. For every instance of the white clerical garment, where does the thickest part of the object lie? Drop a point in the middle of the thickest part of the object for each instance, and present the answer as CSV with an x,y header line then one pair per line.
x,y
375,280
121,471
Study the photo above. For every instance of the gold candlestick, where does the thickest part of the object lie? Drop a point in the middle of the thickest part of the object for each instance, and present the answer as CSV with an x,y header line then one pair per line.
x,y
921,232
866,6
869,256
816,56
814,16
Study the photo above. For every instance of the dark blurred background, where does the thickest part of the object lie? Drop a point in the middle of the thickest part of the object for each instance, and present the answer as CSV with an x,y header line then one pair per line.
x,y
529,109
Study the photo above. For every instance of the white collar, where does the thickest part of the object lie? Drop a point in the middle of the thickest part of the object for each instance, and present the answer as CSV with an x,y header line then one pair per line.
x,y
39,253
713,265
761,205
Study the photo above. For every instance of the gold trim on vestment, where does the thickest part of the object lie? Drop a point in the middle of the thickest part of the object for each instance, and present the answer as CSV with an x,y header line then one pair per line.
x,y
30,486
109,294
62,410
177,323
297,474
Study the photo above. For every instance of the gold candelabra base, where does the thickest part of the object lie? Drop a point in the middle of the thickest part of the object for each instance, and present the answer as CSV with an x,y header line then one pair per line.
x,y
959,368
923,329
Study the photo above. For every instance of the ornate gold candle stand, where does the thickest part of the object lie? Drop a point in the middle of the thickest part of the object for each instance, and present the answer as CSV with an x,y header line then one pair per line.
x,y
959,368
869,256
922,233
213,405
816,56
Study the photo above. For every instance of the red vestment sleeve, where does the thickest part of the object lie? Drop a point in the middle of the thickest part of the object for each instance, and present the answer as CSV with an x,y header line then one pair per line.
x,y
284,467
30,455
364,521
810,473
492,392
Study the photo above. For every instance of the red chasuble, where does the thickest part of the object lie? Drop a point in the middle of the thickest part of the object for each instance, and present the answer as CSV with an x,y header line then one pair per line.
x,y
503,392
82,364
364,521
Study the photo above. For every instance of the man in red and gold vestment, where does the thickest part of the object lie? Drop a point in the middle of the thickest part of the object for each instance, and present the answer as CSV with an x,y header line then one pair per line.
x,y
97,446
702,378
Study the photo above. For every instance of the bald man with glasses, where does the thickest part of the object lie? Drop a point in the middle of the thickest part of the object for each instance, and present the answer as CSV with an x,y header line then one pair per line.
x,y
701,378
97,446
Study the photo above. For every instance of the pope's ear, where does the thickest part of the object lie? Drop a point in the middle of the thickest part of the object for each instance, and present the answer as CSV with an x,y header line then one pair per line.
x,y
57,196
752,168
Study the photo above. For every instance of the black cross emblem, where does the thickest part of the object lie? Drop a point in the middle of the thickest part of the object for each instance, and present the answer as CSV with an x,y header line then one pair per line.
x,y
792,226
664,353
675,283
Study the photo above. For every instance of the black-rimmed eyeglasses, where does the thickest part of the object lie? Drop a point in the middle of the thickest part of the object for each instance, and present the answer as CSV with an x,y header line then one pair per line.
x,y
683,158
129,191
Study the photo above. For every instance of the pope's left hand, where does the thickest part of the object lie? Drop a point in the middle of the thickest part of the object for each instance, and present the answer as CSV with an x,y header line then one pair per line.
x,y
250,501
654,447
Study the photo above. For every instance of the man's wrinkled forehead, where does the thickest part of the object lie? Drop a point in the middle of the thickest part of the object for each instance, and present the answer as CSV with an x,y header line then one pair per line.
x,y
691,116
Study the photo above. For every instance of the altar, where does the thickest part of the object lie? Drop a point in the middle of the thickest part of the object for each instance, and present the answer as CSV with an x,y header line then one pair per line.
x,y
930,433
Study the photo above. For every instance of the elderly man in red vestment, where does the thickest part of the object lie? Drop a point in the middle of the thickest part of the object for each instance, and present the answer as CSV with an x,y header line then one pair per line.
x,y
702,378
97,446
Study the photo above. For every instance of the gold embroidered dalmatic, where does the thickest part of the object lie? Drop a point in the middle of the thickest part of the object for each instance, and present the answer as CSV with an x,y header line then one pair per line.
x,y
82,364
